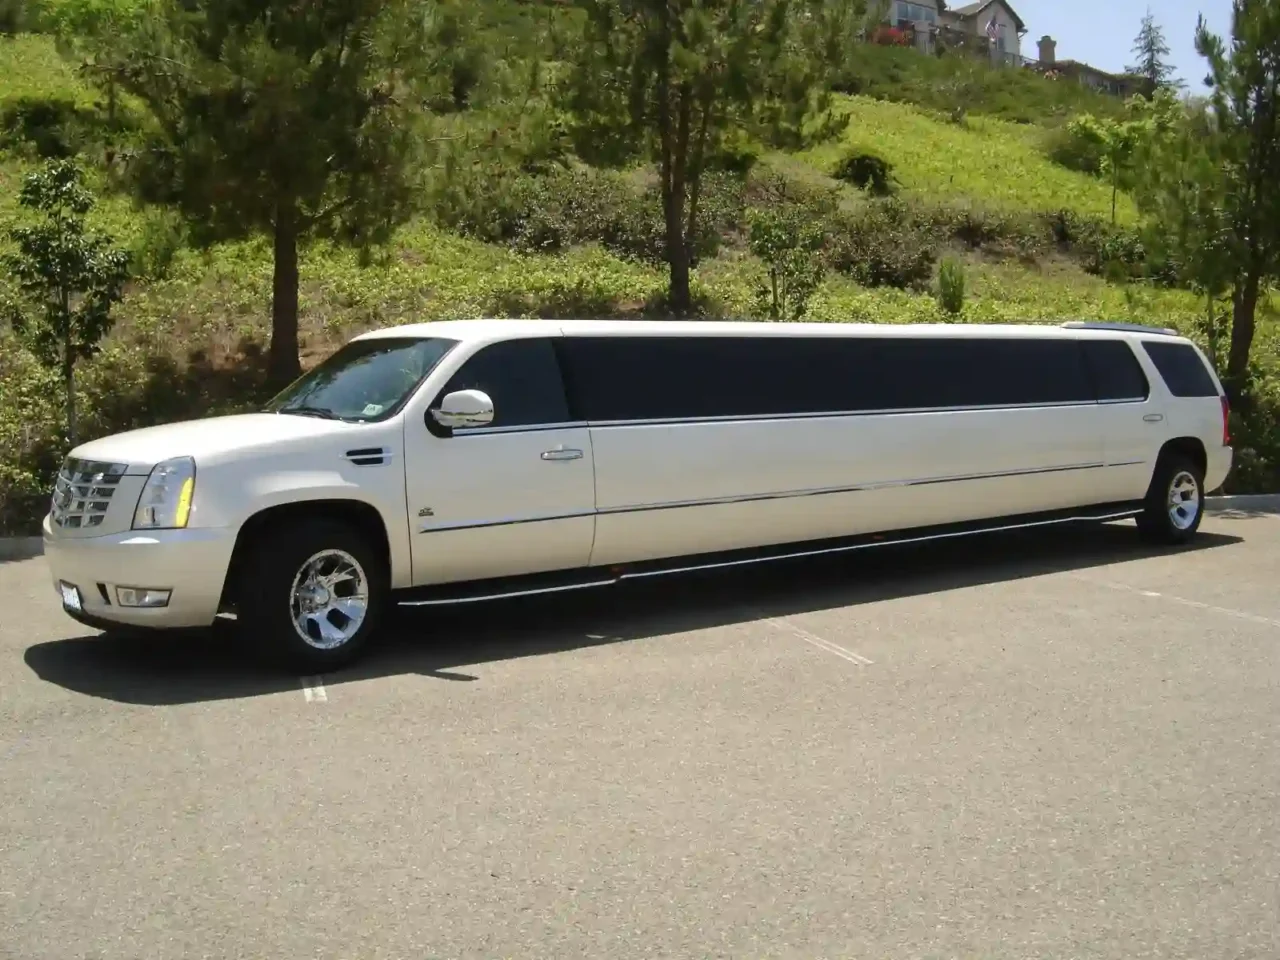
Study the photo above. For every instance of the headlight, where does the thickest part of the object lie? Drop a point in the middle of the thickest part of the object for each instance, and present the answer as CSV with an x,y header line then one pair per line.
x,y
165,503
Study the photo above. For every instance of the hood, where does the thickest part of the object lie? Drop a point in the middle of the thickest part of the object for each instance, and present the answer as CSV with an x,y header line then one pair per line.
x,y
207,439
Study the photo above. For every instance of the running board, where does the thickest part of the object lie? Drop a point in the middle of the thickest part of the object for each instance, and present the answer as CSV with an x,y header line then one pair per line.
x,y
591,577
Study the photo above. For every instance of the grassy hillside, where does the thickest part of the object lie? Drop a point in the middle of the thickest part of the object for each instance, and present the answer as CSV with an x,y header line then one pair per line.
x,y
190,335
983,161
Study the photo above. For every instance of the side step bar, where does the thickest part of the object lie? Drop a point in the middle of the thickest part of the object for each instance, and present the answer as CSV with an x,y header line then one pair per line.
x,y
592,577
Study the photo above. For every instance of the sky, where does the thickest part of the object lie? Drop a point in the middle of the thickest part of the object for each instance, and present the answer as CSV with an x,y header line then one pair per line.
x,y
1101,32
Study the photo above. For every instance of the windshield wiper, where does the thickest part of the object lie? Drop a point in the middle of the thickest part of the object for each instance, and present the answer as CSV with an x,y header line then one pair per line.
x,y
307,411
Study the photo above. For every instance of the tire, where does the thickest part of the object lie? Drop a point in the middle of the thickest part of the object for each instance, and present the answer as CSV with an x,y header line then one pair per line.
x,y
310,630
1177,480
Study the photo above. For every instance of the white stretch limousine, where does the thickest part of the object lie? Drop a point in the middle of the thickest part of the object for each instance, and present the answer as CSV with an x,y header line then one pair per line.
x,y
466,460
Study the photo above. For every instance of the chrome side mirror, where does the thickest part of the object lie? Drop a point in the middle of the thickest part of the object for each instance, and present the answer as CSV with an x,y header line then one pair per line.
x,y
464,408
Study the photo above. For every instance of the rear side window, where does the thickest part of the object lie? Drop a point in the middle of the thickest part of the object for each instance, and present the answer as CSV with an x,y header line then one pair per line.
x,y
521,377
1184,373
1116,373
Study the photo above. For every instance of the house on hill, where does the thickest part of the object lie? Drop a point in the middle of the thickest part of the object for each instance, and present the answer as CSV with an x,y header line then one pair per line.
x,y
1118,84
993,28
986,26
994,20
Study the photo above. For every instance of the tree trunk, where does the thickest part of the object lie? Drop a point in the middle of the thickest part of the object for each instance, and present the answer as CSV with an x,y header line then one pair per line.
x,y
1244,310
69,383
69,369
1115,188
282,360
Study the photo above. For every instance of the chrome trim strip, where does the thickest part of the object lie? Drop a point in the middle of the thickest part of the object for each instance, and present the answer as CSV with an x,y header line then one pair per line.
x,y
835,414
769,558
856,488
761,497
519,428
765,417
504,521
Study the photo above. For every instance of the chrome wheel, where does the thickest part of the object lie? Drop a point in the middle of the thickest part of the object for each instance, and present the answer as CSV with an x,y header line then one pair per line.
x,y
329,599
1184,500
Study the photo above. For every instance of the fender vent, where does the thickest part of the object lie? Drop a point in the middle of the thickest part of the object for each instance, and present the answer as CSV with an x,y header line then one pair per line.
x,y
369,456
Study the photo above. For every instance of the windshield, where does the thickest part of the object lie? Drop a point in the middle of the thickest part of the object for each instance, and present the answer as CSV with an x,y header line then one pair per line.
x,y
363,381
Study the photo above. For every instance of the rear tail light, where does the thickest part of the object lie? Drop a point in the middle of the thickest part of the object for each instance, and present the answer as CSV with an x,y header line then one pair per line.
x,y
1226,421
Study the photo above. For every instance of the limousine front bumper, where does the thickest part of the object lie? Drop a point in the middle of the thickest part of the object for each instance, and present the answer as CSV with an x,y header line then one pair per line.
x,y
154,578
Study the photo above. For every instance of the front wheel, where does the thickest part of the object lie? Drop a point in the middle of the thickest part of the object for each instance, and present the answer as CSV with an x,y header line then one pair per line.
x,y
314,593
1175,501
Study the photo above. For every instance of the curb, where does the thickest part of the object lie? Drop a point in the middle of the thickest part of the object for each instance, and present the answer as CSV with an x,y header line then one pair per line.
x,y
1244,503
20,548
24,548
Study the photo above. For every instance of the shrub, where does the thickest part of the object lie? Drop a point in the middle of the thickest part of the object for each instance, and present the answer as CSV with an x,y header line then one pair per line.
x,y
1018,235
1067,149
1103,249
553,212
885,246
789,243
951,286
49,127
866,171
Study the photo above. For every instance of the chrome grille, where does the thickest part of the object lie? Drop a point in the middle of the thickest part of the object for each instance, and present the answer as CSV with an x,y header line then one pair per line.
x,y
83,493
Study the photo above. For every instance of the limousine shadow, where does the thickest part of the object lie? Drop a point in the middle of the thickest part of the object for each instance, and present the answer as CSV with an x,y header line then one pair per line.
x,y
454,644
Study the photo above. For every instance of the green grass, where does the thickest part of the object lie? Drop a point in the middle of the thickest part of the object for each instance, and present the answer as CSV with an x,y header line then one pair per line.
x,y
985,162
32,68
939,83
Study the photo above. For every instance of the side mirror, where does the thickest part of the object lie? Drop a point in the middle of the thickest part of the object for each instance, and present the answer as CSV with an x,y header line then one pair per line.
x,y
464,408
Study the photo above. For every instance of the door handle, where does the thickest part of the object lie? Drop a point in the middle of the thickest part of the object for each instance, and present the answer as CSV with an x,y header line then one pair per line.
x,y
562,453
1153,417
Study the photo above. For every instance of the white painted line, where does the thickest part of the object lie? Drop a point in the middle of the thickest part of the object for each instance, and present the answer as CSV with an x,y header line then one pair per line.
x,y
1225,611
817,641
313,690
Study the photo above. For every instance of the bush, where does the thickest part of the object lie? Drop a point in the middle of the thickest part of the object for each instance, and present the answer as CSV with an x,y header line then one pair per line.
x,y
1073,152
1016,235
789,244
866,171
951,286
1103,249
883,247
48,127
568,208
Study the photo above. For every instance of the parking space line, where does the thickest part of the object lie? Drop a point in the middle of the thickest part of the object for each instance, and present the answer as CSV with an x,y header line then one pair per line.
x,y
1152,594
817,641
313,690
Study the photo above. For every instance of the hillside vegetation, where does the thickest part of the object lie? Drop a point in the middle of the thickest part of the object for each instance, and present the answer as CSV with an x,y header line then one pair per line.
x,y
510,223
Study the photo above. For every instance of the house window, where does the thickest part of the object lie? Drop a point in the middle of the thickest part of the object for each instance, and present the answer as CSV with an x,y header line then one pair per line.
x,y
904,12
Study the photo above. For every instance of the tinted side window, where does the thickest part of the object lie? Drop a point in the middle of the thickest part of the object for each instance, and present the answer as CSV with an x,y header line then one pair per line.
x,y
641,378
1182,369
1117,375
522,378
914,372
651,378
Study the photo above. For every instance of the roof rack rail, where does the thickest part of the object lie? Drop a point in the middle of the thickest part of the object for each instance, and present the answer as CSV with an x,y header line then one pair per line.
x,y
1120,327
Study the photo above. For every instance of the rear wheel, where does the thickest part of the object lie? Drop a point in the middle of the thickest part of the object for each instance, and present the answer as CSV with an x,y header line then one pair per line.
x,y
313,593
1175,501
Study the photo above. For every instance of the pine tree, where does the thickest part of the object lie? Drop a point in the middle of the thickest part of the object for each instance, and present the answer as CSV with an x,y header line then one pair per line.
x,y
1152,52
668,79
1244,79
289,119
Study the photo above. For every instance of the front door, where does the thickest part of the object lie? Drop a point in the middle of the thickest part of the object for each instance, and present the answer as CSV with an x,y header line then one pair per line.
x,y
515,497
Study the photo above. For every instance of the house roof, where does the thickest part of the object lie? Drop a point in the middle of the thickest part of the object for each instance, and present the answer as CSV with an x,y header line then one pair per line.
x,y
973,9
1081,65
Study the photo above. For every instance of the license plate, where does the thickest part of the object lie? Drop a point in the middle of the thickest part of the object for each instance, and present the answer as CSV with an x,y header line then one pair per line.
x,y
70,596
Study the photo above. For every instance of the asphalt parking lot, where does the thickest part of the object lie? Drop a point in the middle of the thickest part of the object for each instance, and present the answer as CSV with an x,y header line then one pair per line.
x,y
1055,745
